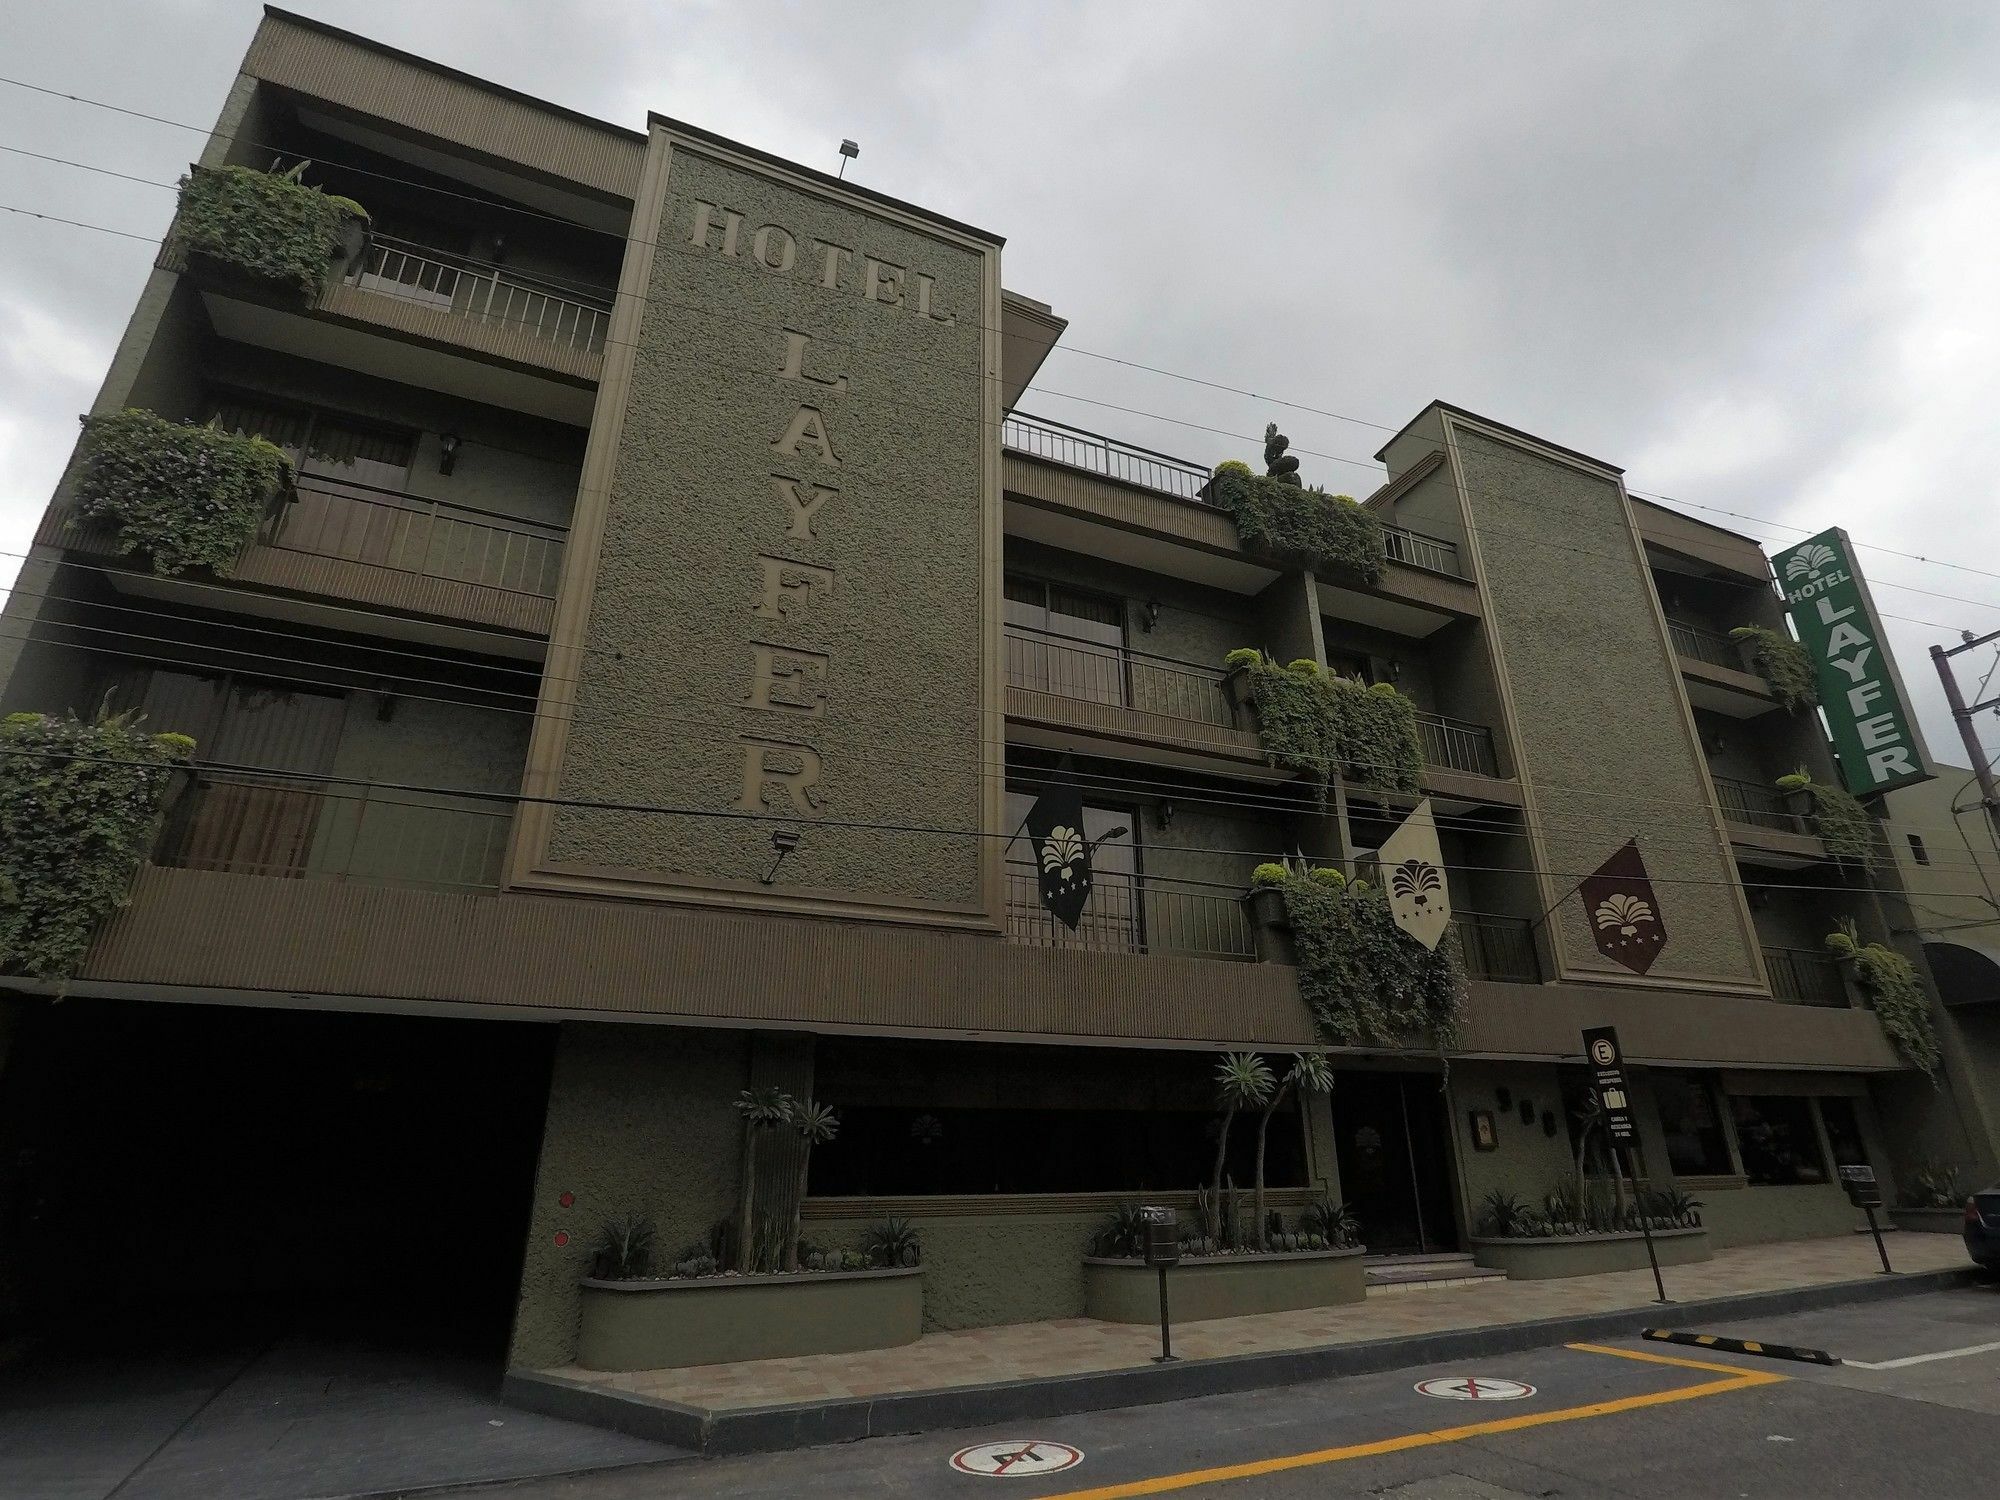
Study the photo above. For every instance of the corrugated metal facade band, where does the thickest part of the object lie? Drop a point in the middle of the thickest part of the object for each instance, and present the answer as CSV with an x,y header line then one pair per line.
x,y
393,588
449,109
208,930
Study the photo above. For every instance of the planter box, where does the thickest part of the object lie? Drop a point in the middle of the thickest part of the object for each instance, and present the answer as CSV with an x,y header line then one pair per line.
x,y
1236,688
1557,1255
1929,1220
1270,925
713,1320
1223,1286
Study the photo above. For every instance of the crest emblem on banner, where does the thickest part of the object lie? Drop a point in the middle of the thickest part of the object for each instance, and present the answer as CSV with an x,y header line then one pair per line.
x,y
1412,872
1623,912
1062,852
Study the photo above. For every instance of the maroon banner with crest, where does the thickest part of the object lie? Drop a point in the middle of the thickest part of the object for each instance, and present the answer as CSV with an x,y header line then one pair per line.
x,y
1623,913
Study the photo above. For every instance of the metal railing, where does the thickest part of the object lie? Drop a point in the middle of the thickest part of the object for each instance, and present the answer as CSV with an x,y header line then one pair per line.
x,y
1134,914
434,278
335,518
1457,745
1420,550
1047,662
1804,976
1703,644
265,825
1757,805
1499,948
1097,454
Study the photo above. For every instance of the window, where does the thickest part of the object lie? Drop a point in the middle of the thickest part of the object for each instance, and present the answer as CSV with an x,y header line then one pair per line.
x,y
1113,917
1778,1139
1066,641
1843,1132
1917,850
1696,1143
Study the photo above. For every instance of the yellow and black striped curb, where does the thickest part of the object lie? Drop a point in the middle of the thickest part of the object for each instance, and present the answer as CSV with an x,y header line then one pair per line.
x,y
1740,1346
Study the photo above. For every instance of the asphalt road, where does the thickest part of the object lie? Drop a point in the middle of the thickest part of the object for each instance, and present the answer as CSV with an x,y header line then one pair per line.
x,y
1633,1418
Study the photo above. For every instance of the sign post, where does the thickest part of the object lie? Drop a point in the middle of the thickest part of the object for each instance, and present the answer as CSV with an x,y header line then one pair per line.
x,y
1607,1077
1865,1193
1163,1251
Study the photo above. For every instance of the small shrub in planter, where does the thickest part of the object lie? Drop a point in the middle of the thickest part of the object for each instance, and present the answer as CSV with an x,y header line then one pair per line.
x,y
891,1243
80,804
1309,528
1332,1224
265,228
1890,983
1933,1185
1784,665
1267,877
1841,822
1314,721
624,1249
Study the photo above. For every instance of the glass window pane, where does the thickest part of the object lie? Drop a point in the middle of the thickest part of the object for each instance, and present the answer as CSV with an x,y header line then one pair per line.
x,y
1843,1132
1779,1142
1696,1145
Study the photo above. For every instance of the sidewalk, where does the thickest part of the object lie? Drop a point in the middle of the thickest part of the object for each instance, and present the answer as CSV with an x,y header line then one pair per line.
x,y
798,1391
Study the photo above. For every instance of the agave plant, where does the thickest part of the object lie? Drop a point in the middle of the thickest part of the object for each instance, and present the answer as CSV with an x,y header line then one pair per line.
x,y
893,1242
1124,1233
1309,1074
1333,1222
624,1249
761,1110
1505,1215
816,1124
1243,1080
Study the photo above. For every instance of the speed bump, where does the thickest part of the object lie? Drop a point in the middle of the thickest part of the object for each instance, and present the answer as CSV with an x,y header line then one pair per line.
x,y
1724,1345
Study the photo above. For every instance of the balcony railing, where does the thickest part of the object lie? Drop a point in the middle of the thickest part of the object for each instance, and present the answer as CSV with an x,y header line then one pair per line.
x,y
1757,805
1704,645
360,523
436,279
1499,948
1107,457
257,824
1420,550
1803,976
1133,914
1046,662
1457,745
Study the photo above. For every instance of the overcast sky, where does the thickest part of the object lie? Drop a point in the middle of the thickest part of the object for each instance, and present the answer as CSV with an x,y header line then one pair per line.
x,y
1745,250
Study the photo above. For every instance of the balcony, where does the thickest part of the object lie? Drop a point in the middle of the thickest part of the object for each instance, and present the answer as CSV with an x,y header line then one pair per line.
x,y
449,284
250,824
1804,976
1762,828
1134,914
1713,671
1496,948
1457,745
1044,661
1704,645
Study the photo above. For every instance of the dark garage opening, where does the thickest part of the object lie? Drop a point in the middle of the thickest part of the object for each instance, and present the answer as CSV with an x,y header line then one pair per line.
x,y
169,1169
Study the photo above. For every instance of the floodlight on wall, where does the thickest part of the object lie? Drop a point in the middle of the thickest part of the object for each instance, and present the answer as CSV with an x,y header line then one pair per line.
x,y
783,842
848,151
448,444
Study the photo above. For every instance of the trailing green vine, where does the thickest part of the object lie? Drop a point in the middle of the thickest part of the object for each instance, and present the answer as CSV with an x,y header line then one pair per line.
x,y
1365,979
1310,528
267,226
1890,982
184,495
1314,721
1840,820
79,806
1784,663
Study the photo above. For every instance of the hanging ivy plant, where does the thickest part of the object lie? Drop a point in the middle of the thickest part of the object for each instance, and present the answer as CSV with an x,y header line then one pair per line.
x,y
1841,822
1784,664
1890,982
184,495
266,226
1313,721
1364,978
1310,528
79,806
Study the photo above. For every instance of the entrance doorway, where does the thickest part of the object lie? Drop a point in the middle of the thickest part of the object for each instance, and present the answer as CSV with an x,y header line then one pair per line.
x,y
1394,1147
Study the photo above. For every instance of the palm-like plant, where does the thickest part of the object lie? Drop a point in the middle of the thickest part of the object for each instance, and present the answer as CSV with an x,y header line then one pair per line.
x,y
816,1125
761,1109
1243,1080
1309,1074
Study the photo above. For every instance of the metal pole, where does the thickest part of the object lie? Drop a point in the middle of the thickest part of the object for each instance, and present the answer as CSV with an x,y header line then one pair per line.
x,y
1876,1230
1645,1228
1166,1354
1982,768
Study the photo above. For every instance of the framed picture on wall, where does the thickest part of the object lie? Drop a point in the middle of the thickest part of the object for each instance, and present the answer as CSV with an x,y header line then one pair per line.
x,y
1485,1137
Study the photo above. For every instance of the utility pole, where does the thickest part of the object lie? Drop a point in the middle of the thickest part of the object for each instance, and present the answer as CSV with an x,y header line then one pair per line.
x,y
1989,793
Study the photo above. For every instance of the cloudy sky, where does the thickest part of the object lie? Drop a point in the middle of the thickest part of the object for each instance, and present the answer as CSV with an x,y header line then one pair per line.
x,y
1744,249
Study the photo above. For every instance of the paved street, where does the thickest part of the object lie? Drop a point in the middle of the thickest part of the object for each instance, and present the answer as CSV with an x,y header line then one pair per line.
x,y
1631,1418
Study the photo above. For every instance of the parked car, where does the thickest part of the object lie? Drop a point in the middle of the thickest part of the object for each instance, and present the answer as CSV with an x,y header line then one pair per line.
x,y
1982,1228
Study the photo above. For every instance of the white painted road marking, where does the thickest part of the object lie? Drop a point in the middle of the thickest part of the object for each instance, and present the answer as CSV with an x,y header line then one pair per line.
x,y
1013,1459
1473,1388
1920,1359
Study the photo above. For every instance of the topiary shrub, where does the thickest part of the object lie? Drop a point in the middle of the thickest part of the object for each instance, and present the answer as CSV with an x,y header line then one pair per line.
x,y
1890,982
1327,725
1784,664
1308,528
266,227
1242,656
184,495
1266,876
1364,978
79,807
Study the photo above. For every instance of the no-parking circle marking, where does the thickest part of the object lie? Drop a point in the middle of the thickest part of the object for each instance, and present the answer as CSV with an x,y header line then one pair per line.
x,y
1474,1388
1012,1460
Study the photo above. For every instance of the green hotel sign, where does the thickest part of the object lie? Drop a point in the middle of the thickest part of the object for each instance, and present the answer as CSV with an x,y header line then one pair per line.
x,y
1867,712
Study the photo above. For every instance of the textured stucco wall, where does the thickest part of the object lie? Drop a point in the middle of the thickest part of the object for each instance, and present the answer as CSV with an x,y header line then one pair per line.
x,y
692,509
1760,1215
1598,706
1527,1163
639,1120
983,1269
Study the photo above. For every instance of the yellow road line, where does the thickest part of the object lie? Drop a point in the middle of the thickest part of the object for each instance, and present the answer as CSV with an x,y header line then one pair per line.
x,y
1763,1377
1739,1380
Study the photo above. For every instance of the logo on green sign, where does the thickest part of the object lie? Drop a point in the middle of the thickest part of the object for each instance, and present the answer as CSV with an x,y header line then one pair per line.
x,y
1870,724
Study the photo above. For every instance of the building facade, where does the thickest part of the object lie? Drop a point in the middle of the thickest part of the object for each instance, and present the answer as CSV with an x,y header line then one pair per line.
x,y
675,616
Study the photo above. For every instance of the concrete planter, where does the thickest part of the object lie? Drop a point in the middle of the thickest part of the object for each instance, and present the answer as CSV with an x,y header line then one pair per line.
x,y
1270,925
713,1320
1223,1286
1236,688
1546,1258
1929,1220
